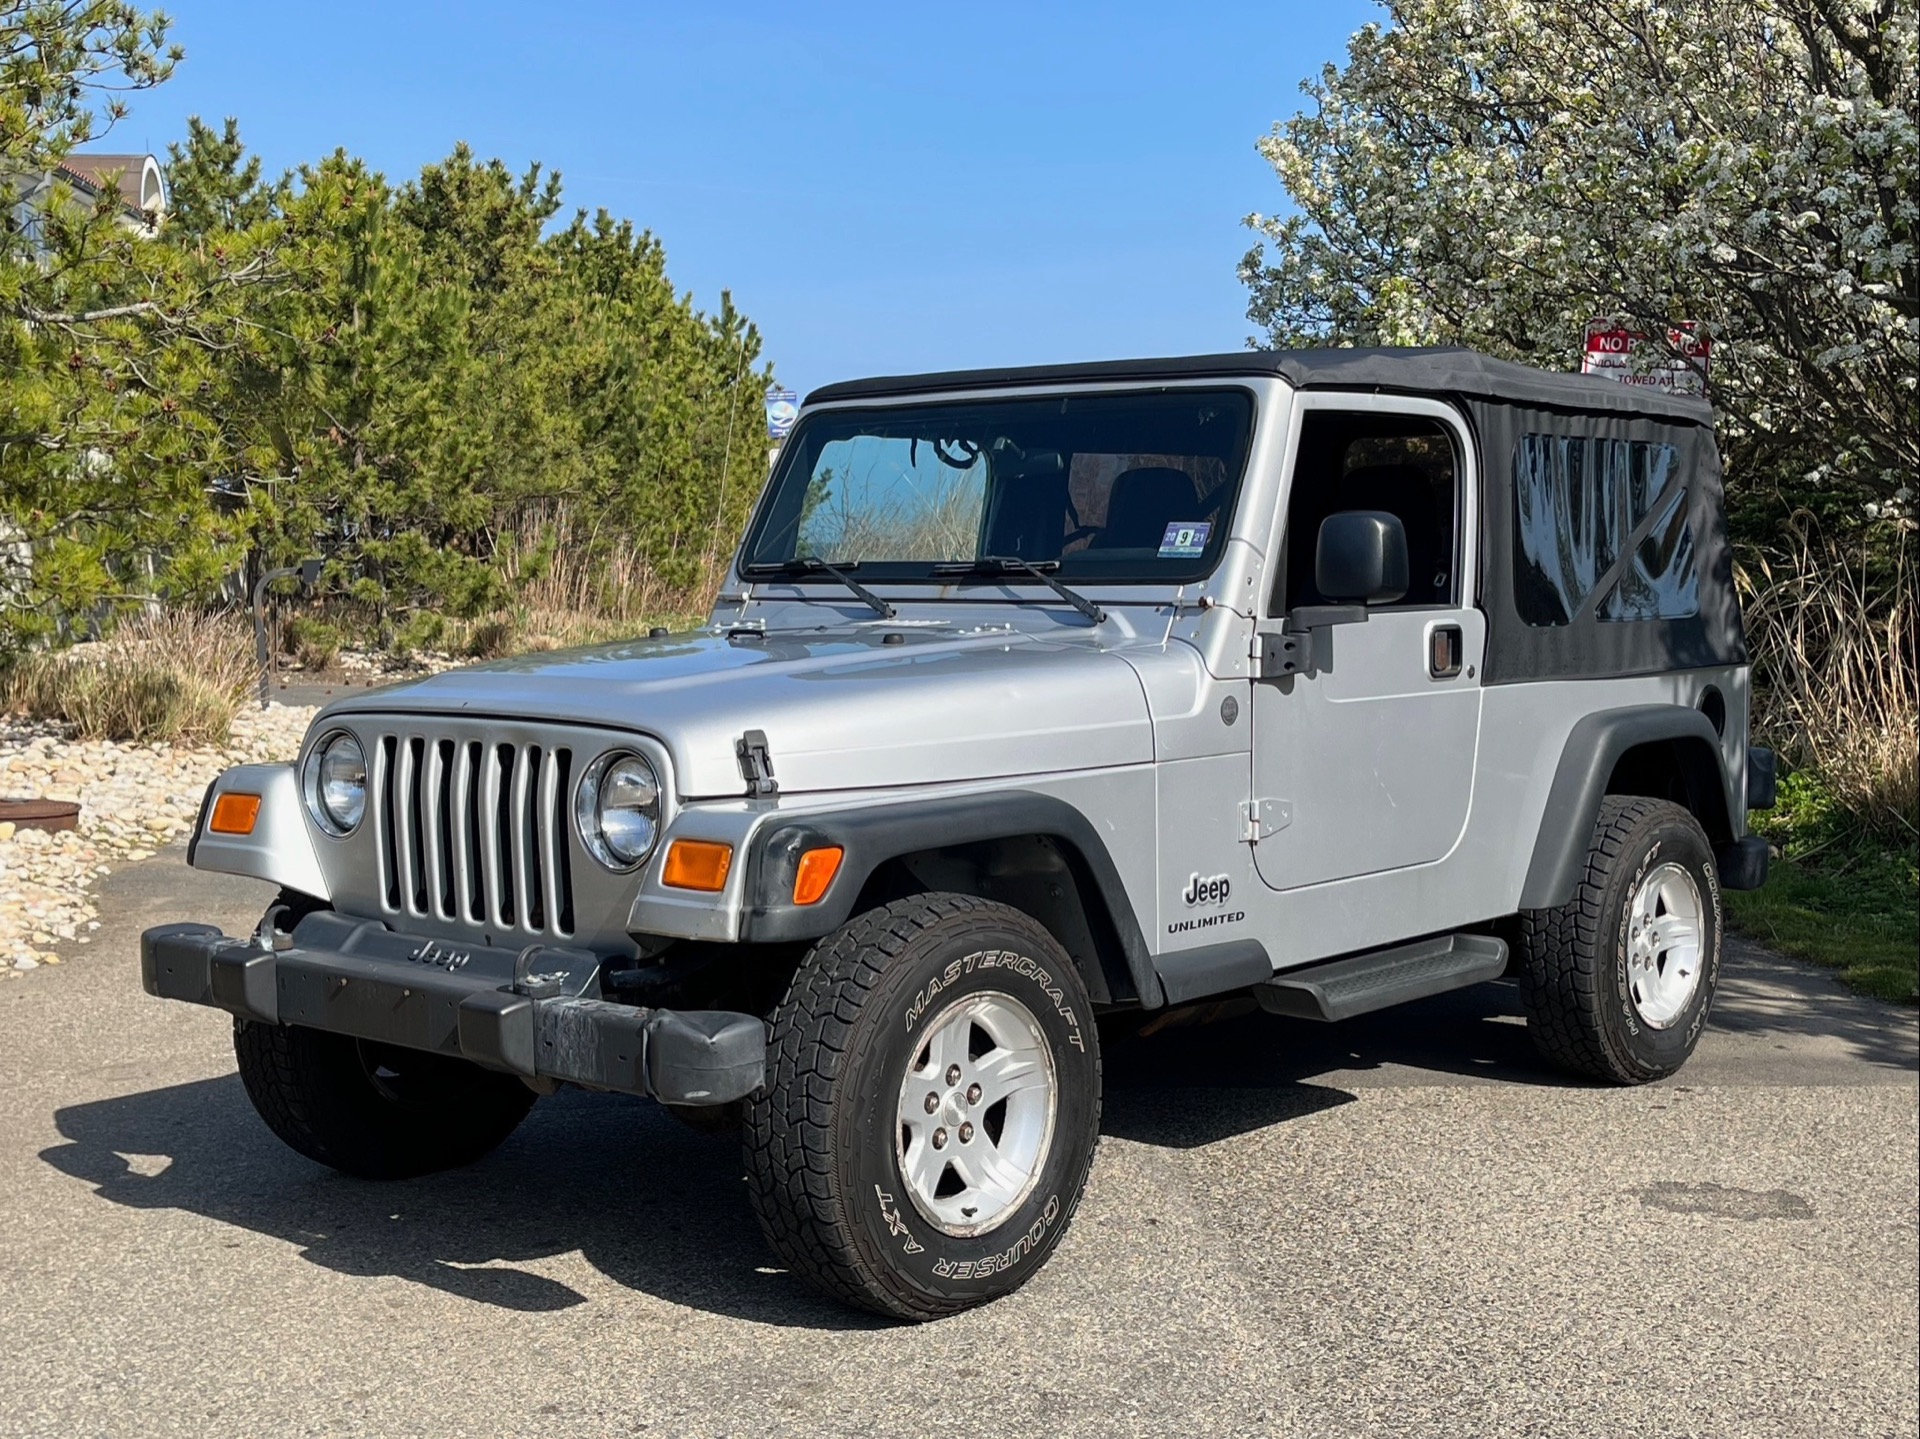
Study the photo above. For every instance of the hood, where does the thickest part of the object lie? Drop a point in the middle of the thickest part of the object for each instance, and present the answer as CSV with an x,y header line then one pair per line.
x,y
842,707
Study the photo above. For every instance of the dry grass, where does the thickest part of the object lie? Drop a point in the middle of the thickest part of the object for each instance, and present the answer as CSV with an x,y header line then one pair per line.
x,y
563,596
176,677
936,521
1837,680
550,563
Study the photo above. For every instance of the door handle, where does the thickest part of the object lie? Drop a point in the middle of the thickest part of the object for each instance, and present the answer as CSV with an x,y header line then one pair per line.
x,y
1445,651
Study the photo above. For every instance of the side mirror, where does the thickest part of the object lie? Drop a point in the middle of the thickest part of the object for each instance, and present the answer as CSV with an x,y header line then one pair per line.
x,y
1361,558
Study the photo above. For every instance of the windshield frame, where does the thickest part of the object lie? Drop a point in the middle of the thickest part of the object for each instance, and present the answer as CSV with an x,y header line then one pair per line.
x,y
942,573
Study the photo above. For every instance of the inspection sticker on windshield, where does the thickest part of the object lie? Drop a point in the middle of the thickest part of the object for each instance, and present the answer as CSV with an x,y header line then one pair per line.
x,y
1185,539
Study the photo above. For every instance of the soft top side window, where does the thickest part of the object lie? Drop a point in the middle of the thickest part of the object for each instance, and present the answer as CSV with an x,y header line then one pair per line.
x,y
1601,524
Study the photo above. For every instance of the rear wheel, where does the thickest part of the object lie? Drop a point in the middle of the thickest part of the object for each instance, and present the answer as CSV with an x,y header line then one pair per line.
x,y
931,1107
374,1111
1618,982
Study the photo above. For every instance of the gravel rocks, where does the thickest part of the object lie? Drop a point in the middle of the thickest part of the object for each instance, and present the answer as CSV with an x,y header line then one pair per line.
x,y
133,799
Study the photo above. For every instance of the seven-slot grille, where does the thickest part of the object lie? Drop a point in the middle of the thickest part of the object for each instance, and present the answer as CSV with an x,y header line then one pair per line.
x,y
474,831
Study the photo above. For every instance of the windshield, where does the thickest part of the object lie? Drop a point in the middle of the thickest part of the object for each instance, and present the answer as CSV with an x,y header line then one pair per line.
x,y
1116,487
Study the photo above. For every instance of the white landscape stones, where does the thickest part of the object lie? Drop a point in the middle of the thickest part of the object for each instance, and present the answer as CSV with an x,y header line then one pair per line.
x,y
133,799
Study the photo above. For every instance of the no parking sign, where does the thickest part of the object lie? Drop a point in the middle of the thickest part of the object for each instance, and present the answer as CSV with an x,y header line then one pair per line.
x,y
1623,354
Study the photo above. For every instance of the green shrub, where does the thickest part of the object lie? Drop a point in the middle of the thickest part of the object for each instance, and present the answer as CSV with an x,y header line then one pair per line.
x,y
1840,894
314,643
168,678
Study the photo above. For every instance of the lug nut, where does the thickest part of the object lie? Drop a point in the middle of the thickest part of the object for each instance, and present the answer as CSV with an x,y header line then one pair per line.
x,y
933,1103
953,1074
973,1094
939,1139
966,1133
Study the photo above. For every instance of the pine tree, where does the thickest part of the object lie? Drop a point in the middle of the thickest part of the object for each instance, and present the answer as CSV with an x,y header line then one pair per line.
x,y
105,340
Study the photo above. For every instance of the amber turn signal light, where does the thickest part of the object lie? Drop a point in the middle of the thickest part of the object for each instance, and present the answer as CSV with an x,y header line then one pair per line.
x,y
235,814
816,872
697,864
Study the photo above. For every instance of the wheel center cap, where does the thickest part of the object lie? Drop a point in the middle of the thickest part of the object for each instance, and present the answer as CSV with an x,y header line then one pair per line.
x,y
954,1111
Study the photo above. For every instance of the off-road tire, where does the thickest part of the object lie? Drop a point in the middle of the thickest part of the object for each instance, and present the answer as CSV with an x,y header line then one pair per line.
x,y
374,1111
822,1159
1573,958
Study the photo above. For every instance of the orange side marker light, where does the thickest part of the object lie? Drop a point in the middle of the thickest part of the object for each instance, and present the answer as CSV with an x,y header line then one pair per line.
x,y
697,864
235,814
816,872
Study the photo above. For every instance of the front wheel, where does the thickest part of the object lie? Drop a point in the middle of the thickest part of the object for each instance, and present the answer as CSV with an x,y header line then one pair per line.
x,y
1618,981
374,1111
931,1107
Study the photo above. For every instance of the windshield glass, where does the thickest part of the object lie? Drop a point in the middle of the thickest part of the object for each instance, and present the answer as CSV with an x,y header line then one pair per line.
x,y
1117,487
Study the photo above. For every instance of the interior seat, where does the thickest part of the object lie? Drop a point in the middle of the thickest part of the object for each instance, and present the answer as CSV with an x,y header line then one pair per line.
x,y
1142,503
1028,509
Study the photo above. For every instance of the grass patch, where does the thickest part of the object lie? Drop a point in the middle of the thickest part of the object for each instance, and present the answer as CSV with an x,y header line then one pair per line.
x,y
1839,895
169,678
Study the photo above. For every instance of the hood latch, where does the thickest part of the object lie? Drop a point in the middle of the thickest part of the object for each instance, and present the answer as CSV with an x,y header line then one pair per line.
x,y
756,764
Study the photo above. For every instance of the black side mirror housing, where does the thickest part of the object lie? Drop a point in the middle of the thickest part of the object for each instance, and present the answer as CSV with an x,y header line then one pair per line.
x,y
1361,558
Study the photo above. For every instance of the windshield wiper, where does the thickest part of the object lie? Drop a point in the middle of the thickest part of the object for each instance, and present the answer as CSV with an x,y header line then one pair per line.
x,y
811,564
1001,564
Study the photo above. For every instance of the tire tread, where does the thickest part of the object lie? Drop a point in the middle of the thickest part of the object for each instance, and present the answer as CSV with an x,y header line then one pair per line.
x,y
1567,951
789,1137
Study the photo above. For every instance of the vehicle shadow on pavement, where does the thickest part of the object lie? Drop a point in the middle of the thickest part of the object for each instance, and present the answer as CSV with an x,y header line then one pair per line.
x,y
1196,1084
660,1209
647,1201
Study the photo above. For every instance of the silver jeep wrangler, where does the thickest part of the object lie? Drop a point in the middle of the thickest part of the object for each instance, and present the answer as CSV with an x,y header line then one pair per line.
x,y
1330,678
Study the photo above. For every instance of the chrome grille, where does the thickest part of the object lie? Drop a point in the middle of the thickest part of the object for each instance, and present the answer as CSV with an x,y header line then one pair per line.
x,y
474,831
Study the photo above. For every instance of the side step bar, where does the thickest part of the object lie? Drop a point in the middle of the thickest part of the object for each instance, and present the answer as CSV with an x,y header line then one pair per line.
x,y
1362,983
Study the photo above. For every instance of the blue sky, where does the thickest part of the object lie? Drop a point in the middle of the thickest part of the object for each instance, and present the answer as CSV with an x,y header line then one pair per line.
x,y
884,188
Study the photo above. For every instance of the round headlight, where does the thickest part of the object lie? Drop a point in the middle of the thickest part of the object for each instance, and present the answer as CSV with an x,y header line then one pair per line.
x,y
336,783
617,809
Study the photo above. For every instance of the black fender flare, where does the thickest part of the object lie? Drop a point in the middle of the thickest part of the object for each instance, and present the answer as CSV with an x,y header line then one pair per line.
x,y
1593,748
871,835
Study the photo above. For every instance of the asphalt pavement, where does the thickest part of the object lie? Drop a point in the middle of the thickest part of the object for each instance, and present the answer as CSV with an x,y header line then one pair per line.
x,y
1401,1226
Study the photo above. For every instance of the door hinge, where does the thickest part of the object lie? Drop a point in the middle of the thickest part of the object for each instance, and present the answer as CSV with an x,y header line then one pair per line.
x,y
756,764
1278,655
1265,817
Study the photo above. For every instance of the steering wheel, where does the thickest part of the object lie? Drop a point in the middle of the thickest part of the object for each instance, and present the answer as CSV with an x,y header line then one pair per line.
x,y
963,456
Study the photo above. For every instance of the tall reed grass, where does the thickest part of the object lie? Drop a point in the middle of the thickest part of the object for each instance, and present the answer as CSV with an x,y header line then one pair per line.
x,y
1836,675
568,590
172,677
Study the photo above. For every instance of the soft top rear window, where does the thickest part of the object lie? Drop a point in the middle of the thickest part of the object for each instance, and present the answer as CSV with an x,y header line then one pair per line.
x,y
1117,487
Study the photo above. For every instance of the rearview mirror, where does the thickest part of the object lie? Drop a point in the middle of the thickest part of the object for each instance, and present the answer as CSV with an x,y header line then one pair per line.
x,y
1361,558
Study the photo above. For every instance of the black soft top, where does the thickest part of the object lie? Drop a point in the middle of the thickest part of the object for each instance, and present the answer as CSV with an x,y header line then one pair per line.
x,y
1427,370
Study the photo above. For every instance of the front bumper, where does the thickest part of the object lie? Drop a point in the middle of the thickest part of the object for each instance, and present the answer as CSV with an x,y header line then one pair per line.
x,y
528,1012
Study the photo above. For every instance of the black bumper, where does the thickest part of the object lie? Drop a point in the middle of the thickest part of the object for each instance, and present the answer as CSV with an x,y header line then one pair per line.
x,y
527,1012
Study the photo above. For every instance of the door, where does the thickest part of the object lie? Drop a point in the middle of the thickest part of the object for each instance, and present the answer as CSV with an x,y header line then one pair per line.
x,y
1363,762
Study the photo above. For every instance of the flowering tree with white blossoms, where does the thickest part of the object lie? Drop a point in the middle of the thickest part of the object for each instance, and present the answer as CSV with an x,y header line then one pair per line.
x,y
1498,172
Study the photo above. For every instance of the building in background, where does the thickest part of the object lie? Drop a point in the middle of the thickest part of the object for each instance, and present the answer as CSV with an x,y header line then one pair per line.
x,y
141,184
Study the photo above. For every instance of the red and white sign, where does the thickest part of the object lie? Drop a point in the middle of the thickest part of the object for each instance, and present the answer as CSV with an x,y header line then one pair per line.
x,y
1625,355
